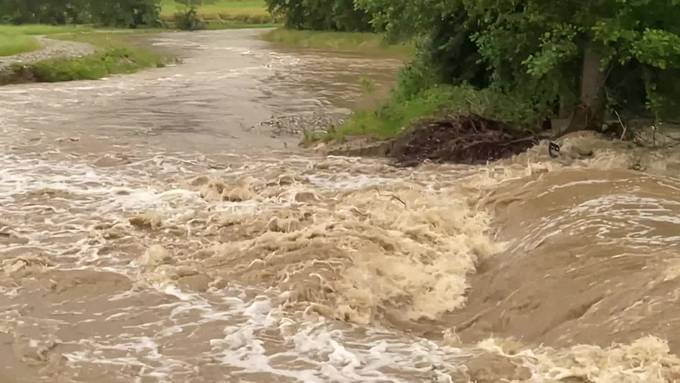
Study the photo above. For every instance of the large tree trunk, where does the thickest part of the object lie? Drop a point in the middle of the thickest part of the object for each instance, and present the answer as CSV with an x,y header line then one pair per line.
x,y
589,114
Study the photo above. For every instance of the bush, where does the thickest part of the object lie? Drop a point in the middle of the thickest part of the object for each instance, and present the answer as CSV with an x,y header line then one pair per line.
x,y
330,15
126,13
189,20
120,13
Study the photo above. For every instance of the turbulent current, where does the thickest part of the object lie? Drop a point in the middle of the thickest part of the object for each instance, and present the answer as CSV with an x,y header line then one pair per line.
x,y
154,228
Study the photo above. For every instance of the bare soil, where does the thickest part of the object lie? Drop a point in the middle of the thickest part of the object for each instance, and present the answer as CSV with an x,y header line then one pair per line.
x,y
464,139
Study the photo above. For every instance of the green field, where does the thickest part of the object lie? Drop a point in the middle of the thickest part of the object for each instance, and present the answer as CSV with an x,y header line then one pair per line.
x,y
366,43
19,39
224,13
12,44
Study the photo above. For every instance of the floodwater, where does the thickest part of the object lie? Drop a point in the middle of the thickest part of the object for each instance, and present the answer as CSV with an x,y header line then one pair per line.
x,y
153,230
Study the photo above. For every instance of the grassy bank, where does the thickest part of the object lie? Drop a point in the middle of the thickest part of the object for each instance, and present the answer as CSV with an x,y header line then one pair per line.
x,y
221,14
398,114
117,51
20,39
11,44
366,43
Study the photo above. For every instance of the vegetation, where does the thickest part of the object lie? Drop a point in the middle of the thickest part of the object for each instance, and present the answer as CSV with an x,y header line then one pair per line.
x,y
188,14
12,43
20,39
332,15
120,13
584,62
116,53
188,18
363,42
397,114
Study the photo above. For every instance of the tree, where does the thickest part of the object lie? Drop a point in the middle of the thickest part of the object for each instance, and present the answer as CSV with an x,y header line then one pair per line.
x,y
444,31
126,13
337,15
573,58
121,13
574,53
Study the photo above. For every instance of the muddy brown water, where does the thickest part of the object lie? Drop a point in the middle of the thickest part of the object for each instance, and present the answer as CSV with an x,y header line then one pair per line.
x,y
148,233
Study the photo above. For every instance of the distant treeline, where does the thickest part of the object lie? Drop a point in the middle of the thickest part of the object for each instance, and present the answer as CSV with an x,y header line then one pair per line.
x,y
119,13
332,15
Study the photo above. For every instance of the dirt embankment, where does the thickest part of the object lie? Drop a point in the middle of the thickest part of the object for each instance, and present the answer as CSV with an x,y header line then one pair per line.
x,y
464,139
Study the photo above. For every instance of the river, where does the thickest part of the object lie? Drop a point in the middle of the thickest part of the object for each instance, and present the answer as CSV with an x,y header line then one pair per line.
x,y
156,227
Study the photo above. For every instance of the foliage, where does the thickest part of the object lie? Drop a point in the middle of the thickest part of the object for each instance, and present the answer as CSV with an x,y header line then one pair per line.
x,y
536,46
121,13
443,29
188,19
329,15
126,13
535,50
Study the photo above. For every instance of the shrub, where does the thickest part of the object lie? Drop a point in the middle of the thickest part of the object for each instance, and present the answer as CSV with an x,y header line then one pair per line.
x,y
188,20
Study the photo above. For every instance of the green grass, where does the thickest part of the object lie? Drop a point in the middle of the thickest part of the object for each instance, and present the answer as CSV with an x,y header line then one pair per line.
x,y
219,14
366,43
13,44
116,52
19,39
397,115
40,29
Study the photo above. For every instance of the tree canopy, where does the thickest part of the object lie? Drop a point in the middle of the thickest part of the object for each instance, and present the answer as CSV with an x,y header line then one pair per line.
x,y
121,13
338,15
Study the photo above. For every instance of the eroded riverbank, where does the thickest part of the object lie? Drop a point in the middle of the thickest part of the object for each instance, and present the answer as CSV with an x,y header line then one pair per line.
x,y
150,232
